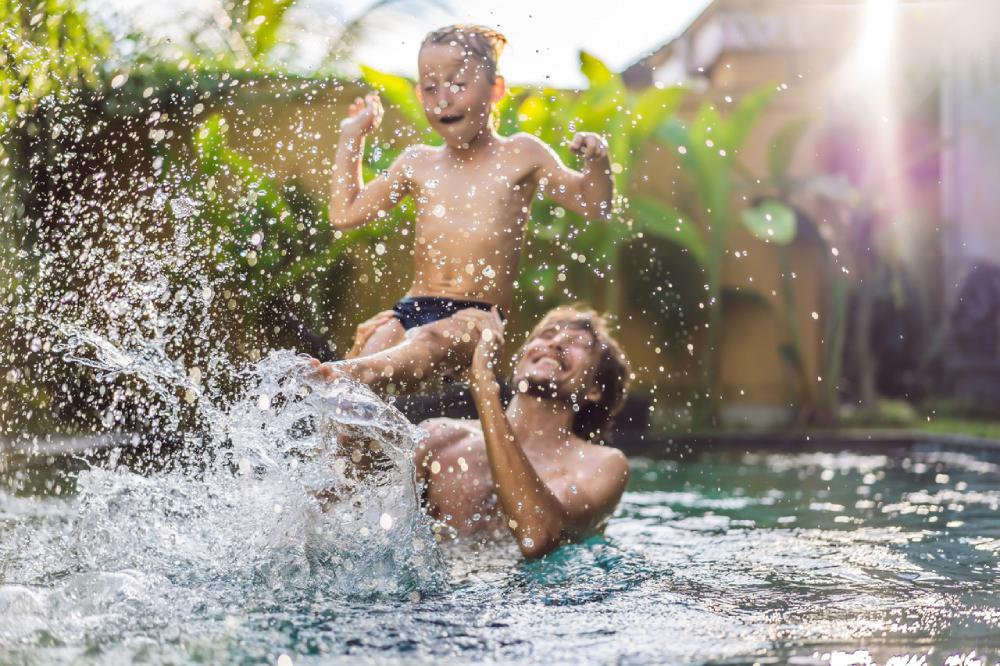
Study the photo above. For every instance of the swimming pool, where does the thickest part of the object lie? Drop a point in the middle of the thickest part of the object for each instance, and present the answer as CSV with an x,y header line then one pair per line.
x,y
725,557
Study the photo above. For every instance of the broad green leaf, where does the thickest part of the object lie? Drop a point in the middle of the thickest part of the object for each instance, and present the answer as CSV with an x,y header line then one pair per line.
x,y
399,92
508,108
264,20
733,131
208,141
711,172
595,106
533,114
617,135
653,106
771,221
663,221
783,147
595,70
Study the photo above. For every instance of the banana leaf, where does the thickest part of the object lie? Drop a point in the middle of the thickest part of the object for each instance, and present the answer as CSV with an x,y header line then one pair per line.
x,y
658,219
783,145
771,221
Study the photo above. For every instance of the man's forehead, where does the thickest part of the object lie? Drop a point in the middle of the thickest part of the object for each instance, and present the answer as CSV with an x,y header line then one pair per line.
x,y
569,326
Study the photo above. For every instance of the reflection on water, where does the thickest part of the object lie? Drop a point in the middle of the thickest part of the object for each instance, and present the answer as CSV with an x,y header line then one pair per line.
x,y
821,557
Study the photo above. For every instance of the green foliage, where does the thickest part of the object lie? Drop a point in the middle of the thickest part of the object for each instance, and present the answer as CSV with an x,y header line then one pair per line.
x,y
48,48
261,22
626,119
629,120
783,146
707,148
668,223
398,92
260,227
771,221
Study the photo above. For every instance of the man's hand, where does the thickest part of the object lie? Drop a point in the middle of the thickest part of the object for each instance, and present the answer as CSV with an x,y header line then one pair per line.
x,y
486,356
365,331
589,146
363,116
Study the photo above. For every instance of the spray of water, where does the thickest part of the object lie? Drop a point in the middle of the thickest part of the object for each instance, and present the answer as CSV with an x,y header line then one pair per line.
x,y
272,511
264,506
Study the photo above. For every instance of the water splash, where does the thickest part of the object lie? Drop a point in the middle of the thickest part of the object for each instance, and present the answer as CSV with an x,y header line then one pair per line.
x,y
271,511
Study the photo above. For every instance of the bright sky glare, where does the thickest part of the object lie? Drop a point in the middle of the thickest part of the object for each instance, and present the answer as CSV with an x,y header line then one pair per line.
x,y
544,36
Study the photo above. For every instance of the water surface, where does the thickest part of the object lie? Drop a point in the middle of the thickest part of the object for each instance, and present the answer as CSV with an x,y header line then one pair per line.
x,y
723,558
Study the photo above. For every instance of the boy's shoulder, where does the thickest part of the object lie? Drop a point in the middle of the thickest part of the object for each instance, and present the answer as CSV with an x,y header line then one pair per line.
x,y
526,140
418,151
536,151
412,157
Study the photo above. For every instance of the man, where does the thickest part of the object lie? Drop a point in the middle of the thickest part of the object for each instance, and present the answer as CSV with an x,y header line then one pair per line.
x,y
532,469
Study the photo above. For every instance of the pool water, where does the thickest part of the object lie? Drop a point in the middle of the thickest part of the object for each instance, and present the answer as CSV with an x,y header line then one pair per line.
x,y
760,557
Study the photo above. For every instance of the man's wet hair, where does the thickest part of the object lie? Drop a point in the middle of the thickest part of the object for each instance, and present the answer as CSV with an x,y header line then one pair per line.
x,y
485,43
612,373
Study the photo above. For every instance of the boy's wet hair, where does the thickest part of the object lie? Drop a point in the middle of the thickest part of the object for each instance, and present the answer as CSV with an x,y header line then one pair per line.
x,y
612,373
480,41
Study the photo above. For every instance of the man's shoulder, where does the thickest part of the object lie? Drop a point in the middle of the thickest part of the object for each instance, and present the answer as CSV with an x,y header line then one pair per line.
x,y
604,458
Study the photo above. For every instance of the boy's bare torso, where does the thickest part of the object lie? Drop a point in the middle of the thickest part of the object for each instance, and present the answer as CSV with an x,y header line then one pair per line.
x,y
471,214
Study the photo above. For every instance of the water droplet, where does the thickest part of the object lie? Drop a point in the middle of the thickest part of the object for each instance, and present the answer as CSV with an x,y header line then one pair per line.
x,y
183,207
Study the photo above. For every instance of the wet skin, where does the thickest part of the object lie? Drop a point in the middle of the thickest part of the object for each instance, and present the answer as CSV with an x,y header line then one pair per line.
x,y
522,471
472,197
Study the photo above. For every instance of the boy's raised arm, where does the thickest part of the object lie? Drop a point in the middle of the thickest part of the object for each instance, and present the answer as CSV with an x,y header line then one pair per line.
x,y
589,193
352,201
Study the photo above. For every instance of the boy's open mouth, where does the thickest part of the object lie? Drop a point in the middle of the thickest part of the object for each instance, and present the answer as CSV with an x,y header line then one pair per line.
x,y
448,120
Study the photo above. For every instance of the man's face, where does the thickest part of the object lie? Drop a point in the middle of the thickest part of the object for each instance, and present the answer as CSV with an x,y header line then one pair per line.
x,y
559,361
456,92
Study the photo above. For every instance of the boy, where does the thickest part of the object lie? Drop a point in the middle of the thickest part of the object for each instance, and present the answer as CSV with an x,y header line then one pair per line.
x,y
473,197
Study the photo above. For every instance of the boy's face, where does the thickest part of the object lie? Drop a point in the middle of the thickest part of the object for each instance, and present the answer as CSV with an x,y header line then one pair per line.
x,y
456,92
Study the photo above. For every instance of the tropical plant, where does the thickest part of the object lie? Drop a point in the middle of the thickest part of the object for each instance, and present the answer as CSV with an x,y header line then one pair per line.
x,y
586,257
591,257
774,220
706,148
276,234
50,48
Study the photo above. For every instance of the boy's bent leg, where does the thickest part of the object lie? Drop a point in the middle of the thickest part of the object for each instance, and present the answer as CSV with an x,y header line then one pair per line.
x,y
386,336
442,347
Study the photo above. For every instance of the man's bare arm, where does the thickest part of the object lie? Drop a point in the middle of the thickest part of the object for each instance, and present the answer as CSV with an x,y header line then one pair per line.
x,y
589,193
541,516
352,201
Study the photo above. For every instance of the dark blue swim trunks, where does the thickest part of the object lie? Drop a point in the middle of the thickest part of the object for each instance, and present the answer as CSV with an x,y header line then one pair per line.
x,y
415,311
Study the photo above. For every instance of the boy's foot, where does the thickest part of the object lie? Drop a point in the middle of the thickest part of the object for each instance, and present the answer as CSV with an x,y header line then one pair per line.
x,y
329,372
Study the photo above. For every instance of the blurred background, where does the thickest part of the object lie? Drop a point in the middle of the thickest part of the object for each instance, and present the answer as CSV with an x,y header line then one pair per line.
x,y
806,235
